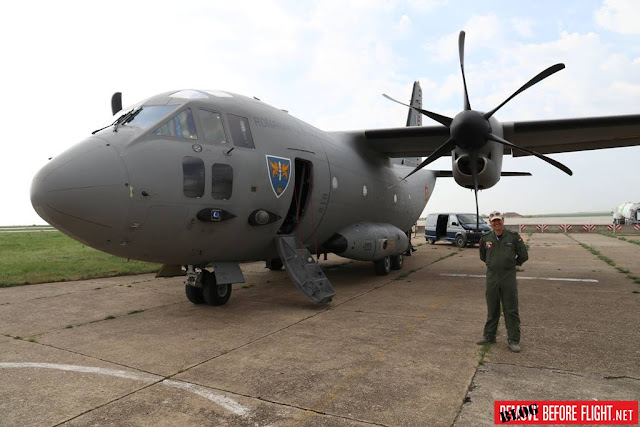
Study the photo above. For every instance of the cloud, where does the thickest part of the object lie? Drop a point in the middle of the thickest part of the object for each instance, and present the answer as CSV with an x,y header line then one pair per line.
x,y
523,27
484,28
620,16
426,5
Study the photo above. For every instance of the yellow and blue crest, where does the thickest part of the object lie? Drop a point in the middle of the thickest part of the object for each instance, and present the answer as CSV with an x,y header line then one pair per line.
x,y
279,169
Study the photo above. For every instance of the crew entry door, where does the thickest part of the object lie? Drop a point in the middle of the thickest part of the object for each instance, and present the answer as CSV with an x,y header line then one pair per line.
x,y
302,193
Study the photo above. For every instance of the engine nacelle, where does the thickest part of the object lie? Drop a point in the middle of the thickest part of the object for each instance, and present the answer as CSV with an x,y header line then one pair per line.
x,y
489,162
367,241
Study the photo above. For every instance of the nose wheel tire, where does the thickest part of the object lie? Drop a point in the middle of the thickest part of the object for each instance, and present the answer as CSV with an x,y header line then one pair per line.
x,y
382,266
396,262
213,293
194,294
274,264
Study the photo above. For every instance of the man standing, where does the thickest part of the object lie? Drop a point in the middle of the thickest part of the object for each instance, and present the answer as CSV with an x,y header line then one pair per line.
x,y
502,250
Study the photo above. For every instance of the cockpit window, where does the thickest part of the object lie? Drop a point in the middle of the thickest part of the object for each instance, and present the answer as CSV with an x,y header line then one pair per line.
x,y
180,126
149,115
240,132
189,94
212,126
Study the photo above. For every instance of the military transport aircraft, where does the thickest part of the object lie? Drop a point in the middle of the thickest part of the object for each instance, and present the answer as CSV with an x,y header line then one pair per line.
x,y
201,180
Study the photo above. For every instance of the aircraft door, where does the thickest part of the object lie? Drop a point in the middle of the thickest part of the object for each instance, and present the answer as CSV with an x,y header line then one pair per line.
x,y
453,227
310,197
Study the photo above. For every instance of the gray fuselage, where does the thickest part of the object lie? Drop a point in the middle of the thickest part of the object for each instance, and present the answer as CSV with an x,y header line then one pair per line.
x,y
136,192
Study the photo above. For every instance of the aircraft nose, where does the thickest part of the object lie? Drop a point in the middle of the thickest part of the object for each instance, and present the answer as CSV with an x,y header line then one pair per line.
x,y
83,192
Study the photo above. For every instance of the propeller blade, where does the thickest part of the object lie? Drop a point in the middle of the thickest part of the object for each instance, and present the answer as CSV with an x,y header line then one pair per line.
x,y
116,102
474,174
543,75
443,120
467,106
555,163
440,151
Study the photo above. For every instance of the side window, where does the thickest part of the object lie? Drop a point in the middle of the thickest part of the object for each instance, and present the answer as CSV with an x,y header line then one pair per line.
x,y
221,181
452,219
193,176
240,132
212,126
181,125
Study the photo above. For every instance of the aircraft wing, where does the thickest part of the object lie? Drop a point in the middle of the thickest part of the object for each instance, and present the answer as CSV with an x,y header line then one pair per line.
x,y
543,136
413,141
564,135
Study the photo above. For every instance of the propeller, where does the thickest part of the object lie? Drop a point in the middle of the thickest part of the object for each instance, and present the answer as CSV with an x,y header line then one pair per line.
x,y
470,129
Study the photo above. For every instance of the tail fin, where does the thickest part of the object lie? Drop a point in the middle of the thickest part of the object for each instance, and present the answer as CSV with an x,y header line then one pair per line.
x,y
414,118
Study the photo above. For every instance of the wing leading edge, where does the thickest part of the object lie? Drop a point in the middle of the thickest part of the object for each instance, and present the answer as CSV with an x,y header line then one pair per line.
x,y
543,136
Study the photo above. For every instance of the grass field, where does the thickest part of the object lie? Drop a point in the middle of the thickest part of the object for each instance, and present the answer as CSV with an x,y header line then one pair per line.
x,y
39,257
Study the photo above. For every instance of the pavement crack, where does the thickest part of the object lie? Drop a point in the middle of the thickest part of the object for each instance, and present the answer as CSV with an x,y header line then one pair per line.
x,y
287,405
574,330
566,371
467,399
90,322
620,377
108,403
77,353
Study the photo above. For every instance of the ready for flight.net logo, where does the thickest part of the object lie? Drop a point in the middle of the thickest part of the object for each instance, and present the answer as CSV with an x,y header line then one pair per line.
x,y
585,412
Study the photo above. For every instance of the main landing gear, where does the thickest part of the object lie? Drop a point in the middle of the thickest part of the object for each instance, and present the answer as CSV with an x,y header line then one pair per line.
x,y
385,265
201,287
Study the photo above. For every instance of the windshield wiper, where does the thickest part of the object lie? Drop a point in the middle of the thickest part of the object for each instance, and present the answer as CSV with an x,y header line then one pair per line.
x,y
123,119
126,118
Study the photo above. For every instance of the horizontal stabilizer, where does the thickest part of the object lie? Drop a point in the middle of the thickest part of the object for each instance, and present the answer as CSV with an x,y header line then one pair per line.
x,y
449,174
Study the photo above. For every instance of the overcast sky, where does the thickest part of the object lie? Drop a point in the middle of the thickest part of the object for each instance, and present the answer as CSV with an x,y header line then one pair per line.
x,y
328,62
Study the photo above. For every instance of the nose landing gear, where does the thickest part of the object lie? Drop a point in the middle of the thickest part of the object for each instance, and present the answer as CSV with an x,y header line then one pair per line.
x,y
201,287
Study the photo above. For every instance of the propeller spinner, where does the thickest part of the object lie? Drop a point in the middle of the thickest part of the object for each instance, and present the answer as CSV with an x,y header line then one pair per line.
x,y
470,129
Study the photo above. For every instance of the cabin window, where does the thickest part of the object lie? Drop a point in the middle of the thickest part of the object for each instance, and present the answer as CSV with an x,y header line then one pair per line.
x,y
240,132
212,126
193,177
221,181
181,125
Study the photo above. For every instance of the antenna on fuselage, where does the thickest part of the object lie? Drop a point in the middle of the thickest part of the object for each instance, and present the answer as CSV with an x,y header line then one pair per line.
x,y
116,102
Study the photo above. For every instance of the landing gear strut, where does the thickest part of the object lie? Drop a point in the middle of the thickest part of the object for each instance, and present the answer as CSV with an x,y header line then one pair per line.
x,y
201,287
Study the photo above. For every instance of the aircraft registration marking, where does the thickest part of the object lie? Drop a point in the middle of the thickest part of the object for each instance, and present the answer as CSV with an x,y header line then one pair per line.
x,y
562,279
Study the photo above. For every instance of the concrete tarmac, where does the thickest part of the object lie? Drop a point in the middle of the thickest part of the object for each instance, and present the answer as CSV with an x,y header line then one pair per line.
x,y
396,350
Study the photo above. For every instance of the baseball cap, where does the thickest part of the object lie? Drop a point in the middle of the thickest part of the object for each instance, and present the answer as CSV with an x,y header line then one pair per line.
x,y
495,215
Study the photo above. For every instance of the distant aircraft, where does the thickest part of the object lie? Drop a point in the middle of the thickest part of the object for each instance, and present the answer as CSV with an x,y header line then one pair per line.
x,y
198,179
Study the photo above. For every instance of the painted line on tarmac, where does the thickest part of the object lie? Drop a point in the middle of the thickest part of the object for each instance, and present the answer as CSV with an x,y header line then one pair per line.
x,y
223,401
553,279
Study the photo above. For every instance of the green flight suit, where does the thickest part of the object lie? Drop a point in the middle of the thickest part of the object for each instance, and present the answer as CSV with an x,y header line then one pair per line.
x,y
502,255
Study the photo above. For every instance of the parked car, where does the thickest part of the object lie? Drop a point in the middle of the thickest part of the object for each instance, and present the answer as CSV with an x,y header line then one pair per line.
x,y
457,228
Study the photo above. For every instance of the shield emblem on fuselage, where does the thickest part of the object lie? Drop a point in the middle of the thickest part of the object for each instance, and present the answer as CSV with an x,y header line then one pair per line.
x,y
279,169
